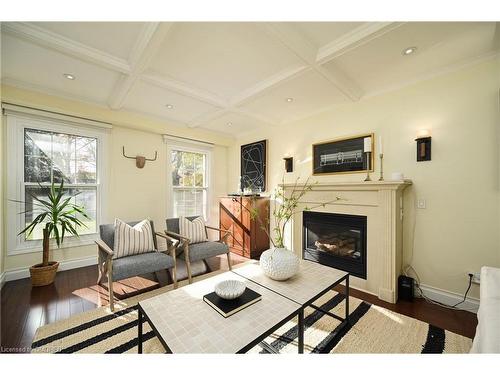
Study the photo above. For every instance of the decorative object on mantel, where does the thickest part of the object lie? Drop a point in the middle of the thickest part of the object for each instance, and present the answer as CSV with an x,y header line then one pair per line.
x,y
397,176
253,166
367,148
343,155
288,164
280,263
381,156
423,145
140,161
60,217
229,289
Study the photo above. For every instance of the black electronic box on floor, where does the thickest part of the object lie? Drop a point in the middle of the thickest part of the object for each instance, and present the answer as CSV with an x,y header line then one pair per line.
x,y
406,286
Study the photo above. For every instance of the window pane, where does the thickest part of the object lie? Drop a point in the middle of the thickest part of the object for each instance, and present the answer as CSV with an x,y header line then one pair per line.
x,y
189,202
86,157
176,162
37,156
86,198
68,157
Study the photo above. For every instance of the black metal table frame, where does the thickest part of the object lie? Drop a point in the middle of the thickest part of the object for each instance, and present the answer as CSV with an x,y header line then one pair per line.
x,y
142,316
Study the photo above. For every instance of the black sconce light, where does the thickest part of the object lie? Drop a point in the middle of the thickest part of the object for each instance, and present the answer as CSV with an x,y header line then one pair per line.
x,y
423,146
288,164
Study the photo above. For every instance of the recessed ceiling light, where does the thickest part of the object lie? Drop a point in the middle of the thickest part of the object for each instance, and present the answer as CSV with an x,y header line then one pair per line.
x,y
409,51
289,100
69,76
169,106
229,123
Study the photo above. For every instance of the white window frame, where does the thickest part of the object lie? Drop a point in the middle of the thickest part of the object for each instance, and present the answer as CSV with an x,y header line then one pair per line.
x,y
196,148
16,124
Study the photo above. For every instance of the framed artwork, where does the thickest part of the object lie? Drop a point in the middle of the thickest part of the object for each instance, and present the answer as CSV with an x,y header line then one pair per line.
x,y
253,166
345,155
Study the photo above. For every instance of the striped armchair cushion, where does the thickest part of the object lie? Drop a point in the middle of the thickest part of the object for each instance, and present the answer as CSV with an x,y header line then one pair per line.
x,y
132,240
194,230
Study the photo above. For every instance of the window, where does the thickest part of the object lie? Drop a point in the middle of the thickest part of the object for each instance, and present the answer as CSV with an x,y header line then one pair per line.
x,y
189,182
51,156
42,151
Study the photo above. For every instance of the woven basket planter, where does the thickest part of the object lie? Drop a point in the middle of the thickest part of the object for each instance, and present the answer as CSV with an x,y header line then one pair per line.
x,y
41,275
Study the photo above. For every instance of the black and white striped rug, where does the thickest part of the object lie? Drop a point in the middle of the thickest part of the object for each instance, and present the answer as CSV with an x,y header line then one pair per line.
x,y
373,330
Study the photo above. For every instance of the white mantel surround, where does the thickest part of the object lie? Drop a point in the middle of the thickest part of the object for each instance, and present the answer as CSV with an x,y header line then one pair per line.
x,y
381,202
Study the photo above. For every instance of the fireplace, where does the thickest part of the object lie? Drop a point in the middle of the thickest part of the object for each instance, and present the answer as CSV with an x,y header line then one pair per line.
x,y
336,240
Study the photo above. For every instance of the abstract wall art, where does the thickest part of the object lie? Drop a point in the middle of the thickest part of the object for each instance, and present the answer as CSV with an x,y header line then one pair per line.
x,y
253,166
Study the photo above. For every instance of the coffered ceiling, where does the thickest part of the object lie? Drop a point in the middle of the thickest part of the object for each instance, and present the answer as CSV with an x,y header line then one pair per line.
x,y
234,77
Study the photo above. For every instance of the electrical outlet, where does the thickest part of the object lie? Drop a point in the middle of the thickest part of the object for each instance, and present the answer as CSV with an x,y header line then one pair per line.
x,y
421,203
476,278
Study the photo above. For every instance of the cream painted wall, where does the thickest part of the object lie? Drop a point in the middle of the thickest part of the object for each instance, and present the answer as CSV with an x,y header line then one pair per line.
x,y
459,230
132,193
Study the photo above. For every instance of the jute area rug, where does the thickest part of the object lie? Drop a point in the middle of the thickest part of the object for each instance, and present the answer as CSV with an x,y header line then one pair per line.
x,y
373,330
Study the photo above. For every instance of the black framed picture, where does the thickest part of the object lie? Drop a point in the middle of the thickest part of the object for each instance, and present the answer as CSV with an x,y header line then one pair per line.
x,y
345,155
253,166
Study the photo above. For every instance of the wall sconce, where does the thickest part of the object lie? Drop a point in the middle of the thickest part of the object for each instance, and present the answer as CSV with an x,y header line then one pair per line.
x,y
288,164
423,145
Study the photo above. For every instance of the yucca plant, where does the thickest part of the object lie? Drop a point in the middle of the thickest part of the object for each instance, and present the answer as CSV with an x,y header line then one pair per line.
x,y
58,215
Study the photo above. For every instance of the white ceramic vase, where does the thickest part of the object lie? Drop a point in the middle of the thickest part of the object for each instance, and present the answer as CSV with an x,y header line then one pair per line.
x,y
279,263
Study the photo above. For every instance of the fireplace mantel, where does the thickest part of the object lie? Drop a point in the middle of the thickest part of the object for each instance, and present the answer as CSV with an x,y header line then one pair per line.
x,y
355,185
381,202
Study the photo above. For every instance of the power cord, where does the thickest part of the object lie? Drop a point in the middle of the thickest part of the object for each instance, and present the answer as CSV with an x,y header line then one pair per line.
x,y
409,267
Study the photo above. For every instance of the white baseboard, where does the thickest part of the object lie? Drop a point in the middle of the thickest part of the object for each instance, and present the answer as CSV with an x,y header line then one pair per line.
x,y
22,273
471,304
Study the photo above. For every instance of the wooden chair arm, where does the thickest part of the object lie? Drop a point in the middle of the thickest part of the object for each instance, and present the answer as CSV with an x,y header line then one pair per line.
x,y
176,236
170,248
217,229
103,247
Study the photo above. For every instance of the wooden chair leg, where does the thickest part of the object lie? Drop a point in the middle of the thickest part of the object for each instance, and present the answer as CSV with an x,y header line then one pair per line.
x,y
188,266
99,277
174,274
110,288
229,260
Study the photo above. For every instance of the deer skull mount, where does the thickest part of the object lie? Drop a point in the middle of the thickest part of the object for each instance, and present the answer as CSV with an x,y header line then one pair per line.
x,y
140,161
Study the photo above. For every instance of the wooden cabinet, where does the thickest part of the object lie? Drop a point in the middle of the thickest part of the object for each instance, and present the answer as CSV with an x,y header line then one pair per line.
x,y
248,238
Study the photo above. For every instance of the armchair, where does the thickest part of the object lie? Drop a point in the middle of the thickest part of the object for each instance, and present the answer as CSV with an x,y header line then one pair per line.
x,y
197,251
133,265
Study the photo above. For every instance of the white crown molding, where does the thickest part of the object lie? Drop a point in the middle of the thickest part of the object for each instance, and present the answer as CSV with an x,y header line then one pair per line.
x,y
354,39
304,50
48,91
48,39
145,48
184,89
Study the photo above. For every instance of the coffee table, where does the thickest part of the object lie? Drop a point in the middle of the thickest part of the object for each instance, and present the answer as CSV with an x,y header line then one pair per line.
x,y
184,323
313,281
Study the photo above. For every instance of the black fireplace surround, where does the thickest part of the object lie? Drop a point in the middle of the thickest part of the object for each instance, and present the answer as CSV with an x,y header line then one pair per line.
x,y
336,240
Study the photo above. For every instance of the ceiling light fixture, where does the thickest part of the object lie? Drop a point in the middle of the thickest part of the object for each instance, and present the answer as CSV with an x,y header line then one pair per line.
x,y
409,50
169,106
229,123
289,100
69,76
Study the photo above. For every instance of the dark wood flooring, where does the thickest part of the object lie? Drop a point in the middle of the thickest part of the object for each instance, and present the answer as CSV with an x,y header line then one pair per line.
x,y
24,309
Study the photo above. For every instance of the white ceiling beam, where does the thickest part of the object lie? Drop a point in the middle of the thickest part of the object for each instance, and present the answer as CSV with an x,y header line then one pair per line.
x,y
298,44
48,39
353,39
184,89
267,84
145,48
198,121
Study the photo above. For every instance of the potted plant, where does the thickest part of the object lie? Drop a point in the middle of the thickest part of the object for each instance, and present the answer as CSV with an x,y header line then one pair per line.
x,y
58,215
280,263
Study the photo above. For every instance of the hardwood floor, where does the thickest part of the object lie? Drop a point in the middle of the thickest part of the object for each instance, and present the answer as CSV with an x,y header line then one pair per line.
x,y
24,309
